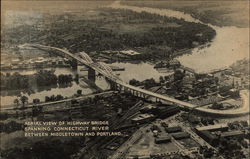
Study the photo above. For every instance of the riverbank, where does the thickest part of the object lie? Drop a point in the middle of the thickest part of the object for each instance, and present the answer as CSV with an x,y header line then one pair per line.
x,y
229,45
116,29
30,105
40,92
219,13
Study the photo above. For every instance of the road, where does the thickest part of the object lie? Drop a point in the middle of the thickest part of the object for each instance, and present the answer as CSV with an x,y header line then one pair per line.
x,y
243,110
56,102
102,69
99,68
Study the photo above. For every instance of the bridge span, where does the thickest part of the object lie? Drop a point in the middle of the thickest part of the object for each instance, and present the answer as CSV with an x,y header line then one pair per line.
x,y
118,84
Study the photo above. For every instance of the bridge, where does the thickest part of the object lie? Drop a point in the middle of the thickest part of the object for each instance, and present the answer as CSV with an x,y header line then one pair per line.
x,y
117,84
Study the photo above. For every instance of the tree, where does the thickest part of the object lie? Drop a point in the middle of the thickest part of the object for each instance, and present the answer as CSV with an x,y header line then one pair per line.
x,y
58,97
134,82
47,98
161,79
178,75
24,99
16,101
217,106
148,83
36,101
79,92
77,78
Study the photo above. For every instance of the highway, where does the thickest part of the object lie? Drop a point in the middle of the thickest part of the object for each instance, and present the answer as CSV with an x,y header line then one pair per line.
x,y
83,59
103,69
243,110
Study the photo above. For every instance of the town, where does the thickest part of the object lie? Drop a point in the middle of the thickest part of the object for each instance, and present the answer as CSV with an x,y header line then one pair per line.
x,y
117,71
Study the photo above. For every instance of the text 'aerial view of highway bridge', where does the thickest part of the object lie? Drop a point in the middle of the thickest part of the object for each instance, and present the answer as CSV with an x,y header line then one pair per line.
x,y
125,80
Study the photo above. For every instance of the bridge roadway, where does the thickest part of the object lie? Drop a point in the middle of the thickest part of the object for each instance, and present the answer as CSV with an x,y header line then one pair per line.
x,y
142,92
86,62
115,79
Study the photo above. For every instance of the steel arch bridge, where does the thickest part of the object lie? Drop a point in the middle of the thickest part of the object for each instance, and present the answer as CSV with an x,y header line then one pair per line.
x,y
105,67
106,71
86,57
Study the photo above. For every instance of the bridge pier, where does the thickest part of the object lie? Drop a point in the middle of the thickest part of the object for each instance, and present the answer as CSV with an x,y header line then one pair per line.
x,y
73,64
132,92
91,74
119,87
86,60
126,89
136,93
113,85
157,99
140,94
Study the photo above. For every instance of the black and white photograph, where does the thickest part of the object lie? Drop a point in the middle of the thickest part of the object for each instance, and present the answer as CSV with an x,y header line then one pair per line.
x,y
125,79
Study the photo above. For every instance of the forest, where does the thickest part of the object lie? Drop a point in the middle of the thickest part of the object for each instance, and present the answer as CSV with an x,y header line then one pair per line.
x,y
112,29
17,81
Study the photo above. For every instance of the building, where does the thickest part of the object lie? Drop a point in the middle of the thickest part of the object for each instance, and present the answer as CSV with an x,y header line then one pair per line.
x,y
142,118
131,53
180,135
168,111
218,73
188,82
235,133
209,137
216,127
173,63
148,109
15,61
229,80
173,129
162,139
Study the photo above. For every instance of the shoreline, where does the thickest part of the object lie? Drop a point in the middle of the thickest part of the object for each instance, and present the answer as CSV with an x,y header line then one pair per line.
x,y
194,12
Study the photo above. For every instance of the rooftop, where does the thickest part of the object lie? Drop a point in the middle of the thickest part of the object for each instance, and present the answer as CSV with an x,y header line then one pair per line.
x,y
129,52
232,133
181,135
173,129
142,116
212,127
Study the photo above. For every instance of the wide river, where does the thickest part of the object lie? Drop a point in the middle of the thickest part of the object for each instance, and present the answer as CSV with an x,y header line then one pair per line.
x,y
229,45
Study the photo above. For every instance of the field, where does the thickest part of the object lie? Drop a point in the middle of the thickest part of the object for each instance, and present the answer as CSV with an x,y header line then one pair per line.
x,y
220,13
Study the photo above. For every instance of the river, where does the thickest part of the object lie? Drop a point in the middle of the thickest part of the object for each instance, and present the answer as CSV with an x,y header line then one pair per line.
x,y
7,97
139,71
229,45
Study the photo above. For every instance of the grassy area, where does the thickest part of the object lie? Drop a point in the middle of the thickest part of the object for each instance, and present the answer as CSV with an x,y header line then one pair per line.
x,y
220,13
